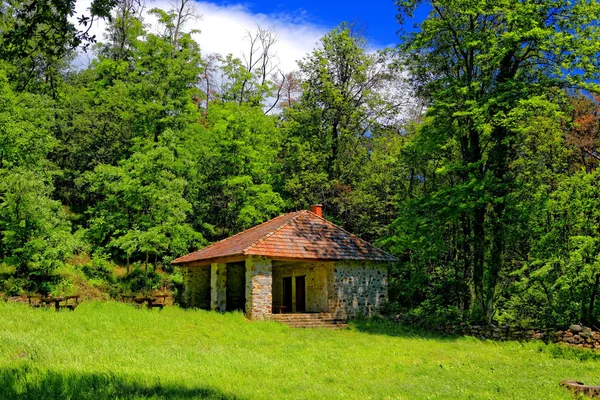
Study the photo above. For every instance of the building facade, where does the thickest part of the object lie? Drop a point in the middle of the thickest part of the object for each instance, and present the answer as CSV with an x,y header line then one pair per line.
x,y
294,263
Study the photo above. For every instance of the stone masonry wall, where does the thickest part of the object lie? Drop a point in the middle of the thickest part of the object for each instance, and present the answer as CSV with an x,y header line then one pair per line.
x,y
196,282
576,335
316,284
359,288
259,282
218,287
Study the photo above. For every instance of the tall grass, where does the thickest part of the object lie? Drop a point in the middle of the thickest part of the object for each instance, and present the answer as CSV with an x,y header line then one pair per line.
x,y
107,350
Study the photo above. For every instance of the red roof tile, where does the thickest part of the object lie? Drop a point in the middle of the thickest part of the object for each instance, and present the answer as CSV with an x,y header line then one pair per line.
x,y
297,235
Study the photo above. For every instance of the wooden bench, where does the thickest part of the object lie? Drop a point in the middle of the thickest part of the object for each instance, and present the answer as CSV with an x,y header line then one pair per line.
x,y
128,298
151,302
71,302
34,300
159,300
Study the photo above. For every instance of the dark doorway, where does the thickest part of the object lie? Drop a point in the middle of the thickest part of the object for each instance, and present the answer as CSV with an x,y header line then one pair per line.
x,y
300,294
236,287
287,294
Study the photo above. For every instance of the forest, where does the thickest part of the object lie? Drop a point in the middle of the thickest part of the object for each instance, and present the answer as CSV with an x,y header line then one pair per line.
x,y
469,150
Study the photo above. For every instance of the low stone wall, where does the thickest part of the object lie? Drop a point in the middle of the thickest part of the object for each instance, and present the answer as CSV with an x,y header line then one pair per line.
x,y
576,335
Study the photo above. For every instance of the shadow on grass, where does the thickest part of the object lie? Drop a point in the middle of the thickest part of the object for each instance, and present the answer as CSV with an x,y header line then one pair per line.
x,y
377,326
27,383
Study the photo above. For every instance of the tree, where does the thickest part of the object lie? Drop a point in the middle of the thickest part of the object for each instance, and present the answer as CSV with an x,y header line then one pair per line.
x,y
247,80
585,134
37,35
332,129
35,235
475,62
141,208
108,107
238,165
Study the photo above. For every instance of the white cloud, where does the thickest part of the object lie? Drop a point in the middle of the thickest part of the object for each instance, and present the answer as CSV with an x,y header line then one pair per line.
x,y
223,29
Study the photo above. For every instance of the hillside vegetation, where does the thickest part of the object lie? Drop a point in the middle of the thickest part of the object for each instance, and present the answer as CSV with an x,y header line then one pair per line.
x,y
106,350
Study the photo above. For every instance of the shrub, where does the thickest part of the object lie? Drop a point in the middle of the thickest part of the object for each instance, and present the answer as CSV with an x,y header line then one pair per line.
x,y
12,286
141,280
100,268
64,287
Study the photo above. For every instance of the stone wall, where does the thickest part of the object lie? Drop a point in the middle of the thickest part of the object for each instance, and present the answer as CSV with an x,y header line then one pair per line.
x,y
259,282
358,288
196,282
218,287
317,299
576,335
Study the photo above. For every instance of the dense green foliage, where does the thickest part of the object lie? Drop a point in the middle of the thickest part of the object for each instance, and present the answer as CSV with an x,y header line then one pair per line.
x,y
484,234
469,151
111,350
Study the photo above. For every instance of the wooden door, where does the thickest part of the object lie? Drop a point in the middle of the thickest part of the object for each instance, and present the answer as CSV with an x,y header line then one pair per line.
x,y
300,294
287,294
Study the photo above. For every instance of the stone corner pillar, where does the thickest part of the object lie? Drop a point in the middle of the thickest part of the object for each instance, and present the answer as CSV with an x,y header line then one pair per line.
x,y
259,288
218,287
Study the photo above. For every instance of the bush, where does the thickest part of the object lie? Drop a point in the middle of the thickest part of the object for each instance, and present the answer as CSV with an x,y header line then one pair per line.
x,y
64,287
426,315
12,286
141,280
100,268
177,286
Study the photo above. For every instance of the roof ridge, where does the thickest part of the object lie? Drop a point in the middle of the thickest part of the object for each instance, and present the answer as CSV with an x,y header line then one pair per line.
x,y
351,234
268,235
232,236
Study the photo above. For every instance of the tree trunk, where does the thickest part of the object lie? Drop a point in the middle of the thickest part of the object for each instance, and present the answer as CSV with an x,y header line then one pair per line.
x,y
478,256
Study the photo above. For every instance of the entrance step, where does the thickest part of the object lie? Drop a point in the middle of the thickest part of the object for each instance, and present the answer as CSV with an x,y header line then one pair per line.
x,y
311,320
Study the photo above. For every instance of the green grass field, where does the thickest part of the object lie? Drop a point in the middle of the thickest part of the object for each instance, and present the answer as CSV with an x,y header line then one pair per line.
x,y
115,351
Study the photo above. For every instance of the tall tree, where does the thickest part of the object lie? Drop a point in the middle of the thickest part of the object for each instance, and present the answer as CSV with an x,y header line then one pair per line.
x,y
37,35
330,130
475,61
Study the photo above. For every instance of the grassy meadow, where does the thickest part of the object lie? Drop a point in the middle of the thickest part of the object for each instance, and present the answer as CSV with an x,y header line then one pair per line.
x,y
106,350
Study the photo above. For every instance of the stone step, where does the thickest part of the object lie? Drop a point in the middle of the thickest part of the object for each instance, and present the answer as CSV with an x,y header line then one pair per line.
x,y
303,317
319,317
323,326
334,321
311,320
296,315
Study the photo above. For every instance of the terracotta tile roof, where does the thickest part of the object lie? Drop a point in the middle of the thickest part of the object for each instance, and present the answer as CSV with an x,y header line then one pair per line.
x,y
296,235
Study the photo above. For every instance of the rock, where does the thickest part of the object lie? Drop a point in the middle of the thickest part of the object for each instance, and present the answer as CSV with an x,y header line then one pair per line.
x,y
576,328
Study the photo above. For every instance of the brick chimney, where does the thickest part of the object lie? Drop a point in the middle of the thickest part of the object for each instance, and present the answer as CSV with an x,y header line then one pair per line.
x,y
317,209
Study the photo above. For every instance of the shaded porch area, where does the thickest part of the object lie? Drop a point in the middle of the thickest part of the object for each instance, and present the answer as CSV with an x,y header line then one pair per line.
x,y
217,287
303,287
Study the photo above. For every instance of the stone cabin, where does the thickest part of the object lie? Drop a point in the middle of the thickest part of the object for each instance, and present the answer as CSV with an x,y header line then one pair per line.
x,y
295,263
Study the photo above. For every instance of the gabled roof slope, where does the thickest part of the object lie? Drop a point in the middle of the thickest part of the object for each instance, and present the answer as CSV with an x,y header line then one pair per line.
x,y
297,235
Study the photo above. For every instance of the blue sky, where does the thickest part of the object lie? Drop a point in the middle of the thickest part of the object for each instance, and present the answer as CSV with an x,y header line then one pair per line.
x,y
224,24
378,16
